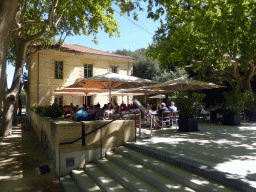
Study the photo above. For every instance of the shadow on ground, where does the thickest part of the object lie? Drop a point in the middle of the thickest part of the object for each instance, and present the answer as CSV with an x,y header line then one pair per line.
x,y
20,155
228,149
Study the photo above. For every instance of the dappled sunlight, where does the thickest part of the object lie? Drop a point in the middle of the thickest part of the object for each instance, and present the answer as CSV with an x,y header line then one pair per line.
x,y
199,182
240,167
228,149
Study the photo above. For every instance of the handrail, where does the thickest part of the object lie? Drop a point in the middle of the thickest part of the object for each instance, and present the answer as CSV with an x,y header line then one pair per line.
x,y
71,142
99,128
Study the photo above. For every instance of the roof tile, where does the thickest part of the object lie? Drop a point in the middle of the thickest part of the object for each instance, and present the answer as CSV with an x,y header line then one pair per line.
x,y
82,49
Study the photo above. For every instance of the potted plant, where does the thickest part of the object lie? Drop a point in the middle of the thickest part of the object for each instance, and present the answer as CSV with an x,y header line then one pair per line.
x,y
250,106
233,105
188,104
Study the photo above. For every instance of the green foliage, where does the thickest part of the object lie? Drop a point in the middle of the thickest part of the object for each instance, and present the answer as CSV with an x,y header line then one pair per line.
x,y
251,101
217,37
23,97
235,101
146,68
53,111
188,103
143,67
168,75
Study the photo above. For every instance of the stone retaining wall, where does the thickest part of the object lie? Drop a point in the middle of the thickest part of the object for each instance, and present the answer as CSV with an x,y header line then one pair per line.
x,y
53,132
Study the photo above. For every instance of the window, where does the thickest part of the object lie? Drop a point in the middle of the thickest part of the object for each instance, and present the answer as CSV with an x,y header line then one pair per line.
x,y
88,70
114,99
58,100
89,100
114,69
58,69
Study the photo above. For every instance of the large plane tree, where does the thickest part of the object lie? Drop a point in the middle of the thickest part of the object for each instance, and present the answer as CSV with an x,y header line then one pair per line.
x,y
36,21
216,37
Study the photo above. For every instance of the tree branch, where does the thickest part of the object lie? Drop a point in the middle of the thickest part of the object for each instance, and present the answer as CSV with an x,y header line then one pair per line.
x,y
36,36
52,13
219,48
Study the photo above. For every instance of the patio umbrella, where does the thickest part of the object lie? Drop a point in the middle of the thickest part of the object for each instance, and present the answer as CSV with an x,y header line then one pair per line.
x,y
116,93
138,90
111,81
76,92
159,96
180,84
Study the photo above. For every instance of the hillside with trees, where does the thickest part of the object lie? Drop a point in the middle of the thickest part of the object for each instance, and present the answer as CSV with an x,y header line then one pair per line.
x,y
144,67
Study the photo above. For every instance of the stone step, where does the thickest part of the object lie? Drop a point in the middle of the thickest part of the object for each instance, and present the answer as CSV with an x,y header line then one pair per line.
x,y
233,181
155,179
196,155
104,180
84,181
184,177
68,184
124,177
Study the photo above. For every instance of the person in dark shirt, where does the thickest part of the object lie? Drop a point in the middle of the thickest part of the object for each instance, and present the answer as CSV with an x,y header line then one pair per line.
x,y
162,109
160,112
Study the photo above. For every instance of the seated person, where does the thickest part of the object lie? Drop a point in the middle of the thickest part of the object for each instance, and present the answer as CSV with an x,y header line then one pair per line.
x,y
203,111
98,113
172,108
162,109
160,112
108,111
81,115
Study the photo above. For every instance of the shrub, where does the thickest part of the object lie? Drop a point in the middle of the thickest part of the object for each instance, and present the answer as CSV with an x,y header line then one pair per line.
x,y
188,103
53,111
235,101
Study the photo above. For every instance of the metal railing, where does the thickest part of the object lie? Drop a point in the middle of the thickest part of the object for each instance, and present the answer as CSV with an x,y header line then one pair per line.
x,y
99,128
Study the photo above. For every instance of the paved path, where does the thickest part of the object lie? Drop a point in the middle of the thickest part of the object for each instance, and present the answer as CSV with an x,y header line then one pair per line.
x,y
20,156
229,149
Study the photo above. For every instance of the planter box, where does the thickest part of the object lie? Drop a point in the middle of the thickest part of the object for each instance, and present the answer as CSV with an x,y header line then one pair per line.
x,y
231,119
187,124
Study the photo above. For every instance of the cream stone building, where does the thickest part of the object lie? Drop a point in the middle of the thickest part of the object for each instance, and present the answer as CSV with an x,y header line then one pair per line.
x,y
55,68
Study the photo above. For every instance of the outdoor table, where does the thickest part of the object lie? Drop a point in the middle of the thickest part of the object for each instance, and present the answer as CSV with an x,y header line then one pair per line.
x,y
152,118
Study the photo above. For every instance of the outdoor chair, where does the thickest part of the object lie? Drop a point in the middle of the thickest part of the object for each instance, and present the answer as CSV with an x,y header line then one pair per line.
x,y
175,117
206,115
166,118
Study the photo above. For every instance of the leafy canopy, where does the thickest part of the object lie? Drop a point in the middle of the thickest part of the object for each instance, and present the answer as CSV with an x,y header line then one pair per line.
x,y
217,37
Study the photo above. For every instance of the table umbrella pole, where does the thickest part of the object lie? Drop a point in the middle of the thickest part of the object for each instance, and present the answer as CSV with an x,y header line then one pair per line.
x,y
110,101
86,99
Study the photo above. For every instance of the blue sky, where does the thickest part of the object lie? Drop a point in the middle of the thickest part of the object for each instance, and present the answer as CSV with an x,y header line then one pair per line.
x,y
133,37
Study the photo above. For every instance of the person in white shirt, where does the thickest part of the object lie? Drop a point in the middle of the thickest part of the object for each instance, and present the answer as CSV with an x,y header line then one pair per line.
x,y
203,111
172,107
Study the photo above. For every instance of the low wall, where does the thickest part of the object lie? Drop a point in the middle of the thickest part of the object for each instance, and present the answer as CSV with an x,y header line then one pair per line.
x,y
53,132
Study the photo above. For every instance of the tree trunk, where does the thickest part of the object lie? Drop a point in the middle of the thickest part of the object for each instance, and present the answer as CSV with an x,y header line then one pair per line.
x,y
10,96
8,10
14,119
246,84
19,102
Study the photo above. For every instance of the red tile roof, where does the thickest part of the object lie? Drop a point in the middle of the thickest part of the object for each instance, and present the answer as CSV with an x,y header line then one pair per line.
x,y
83,49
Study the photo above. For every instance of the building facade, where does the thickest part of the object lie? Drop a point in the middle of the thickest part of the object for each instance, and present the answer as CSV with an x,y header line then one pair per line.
x,y
56,68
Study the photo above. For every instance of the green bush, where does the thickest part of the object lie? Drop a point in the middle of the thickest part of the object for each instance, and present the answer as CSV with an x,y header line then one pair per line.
x,y
251,101
235,101
53,111
188,103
